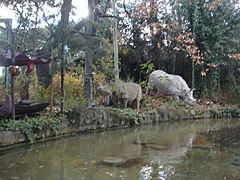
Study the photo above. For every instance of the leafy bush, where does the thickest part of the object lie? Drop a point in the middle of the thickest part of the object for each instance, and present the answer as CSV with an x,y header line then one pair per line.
x,y
229,112
132,114
74,91
39,93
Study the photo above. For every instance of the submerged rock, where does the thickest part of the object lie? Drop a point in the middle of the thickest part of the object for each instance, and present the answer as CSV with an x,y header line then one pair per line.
x,y
156,146
113,161
150,145
120,162
143,143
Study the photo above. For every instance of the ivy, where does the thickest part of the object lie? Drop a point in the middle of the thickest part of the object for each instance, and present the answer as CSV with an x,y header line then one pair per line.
x,y
27,130
30,125
132,114
8,125
229,112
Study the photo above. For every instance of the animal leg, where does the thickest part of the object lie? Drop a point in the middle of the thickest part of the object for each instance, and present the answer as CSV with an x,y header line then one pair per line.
x,y
139,97
176,98
149,88
107,100
138,104
125,101
114,101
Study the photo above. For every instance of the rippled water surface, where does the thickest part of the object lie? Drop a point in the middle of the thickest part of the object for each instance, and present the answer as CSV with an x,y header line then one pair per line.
x,y
199,149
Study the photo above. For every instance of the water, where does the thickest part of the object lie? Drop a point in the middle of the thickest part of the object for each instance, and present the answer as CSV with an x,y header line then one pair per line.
x,y
169,150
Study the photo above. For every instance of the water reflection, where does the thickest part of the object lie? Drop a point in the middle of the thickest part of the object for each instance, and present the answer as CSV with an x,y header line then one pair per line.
x,y
161,151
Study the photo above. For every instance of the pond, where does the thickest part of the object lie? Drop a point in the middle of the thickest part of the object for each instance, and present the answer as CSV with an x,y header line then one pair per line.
x,y
196,149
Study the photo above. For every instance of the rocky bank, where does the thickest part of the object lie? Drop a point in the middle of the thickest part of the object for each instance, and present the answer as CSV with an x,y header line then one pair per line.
x,y
83,119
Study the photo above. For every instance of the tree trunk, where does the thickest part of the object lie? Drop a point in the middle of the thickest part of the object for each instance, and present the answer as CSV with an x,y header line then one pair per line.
x,y
61,32
43,74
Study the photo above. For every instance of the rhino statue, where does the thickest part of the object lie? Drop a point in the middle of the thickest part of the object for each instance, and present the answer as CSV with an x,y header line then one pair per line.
x,y
122,93
105,91
171,85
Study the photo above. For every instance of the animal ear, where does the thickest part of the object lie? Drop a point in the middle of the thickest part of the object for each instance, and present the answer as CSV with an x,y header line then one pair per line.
x,y
193,89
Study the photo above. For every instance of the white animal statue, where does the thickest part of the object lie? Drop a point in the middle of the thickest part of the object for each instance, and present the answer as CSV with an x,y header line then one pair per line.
x,y
171,85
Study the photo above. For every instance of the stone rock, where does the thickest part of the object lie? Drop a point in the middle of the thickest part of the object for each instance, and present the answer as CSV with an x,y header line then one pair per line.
x,y
113,161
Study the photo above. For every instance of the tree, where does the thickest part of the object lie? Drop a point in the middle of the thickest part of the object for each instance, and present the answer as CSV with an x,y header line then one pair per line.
x,y
211,24
144,37
30,37
29,20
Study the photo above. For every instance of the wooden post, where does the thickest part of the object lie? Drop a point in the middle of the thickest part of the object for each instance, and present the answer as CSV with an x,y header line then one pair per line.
x,y
12,76
11,51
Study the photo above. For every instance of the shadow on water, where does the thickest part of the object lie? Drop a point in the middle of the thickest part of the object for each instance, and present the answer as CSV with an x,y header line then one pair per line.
x,y
127,160
227,137
214,155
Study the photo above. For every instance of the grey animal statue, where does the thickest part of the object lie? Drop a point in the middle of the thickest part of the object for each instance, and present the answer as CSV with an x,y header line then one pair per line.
x,y
171,85
122,93
105,91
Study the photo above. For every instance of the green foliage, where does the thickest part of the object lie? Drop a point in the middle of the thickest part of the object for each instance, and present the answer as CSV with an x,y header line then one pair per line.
x,y
212,24
146,69
27,83
229,112
132,114
100,79
103,58
33,125
8,125
39,93
73,86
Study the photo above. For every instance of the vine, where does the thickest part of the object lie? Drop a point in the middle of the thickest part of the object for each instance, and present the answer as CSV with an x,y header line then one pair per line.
x,y
30,125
